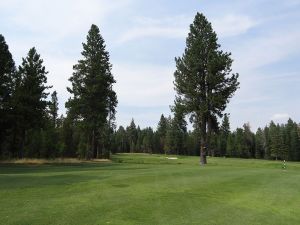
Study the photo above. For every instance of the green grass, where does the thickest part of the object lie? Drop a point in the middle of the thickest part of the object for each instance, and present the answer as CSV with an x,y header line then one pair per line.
x,y
150,189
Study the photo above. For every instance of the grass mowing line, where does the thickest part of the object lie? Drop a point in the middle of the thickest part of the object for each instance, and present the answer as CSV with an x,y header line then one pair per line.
x,y
51,161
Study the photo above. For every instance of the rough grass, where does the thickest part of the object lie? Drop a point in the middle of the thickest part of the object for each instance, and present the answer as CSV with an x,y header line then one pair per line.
x,y
151,189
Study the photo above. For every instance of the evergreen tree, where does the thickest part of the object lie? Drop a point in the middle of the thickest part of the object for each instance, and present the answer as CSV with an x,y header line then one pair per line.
x,y
203,79
292,140
175,142
94,100
275,140
224,133
294,144
132,136
284,145
121,140
29,100
162,131
230,146
249,141
241,148
147,144
7,79
259,144
53,108
267,143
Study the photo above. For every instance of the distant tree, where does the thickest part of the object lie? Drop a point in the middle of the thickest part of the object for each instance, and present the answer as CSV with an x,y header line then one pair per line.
x,y
162,131
147,144
94,100
275,142
267,143
53,108
292,139
294,144
175,141
259,144
121,140
284,145
203,79
240,146
230,146
224,133
249,141
132,135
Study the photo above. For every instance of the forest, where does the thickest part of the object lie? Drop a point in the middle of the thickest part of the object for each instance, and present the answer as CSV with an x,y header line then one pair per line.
x,y
31,126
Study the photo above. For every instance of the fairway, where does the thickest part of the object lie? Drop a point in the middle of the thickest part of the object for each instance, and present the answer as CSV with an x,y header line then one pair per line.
x,y
150,189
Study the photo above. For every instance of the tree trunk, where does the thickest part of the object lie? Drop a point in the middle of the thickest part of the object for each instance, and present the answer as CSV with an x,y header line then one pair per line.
x,y
22,147
203,144
203,160
88,154
93,145
98,150
209,129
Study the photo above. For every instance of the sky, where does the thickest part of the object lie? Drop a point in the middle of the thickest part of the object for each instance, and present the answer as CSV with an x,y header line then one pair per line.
x,y
143,38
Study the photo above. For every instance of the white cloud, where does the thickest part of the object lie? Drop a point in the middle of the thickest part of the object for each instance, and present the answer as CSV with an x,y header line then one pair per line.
x,y
280,116
261,51
144,85
167,27
233,25
154,32
178,27
56,18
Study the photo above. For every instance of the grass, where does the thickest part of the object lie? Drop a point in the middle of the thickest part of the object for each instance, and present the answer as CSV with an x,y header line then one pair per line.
x,y
50,161
150,189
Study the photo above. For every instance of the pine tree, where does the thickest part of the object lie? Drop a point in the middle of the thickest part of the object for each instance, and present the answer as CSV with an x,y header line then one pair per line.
x,y
224,133
230,146
94,100
203,79
249,141
7,79
30,98
294,144
274,132
147,144
241,149
53,108
267,143
259,144
162,131
284,146
132,135
175,141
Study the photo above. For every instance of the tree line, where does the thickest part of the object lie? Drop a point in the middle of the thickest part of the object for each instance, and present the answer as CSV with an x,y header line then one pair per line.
x,y
274,141
31,127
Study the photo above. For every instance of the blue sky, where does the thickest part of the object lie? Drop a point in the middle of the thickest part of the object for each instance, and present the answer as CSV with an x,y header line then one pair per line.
x,y
143,37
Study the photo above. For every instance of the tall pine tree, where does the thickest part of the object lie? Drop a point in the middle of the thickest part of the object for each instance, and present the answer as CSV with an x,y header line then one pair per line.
x,y
203,79
30,98
7,79
94,100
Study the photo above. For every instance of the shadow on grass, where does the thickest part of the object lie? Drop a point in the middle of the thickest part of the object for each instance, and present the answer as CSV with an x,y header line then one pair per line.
x,y
50,168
